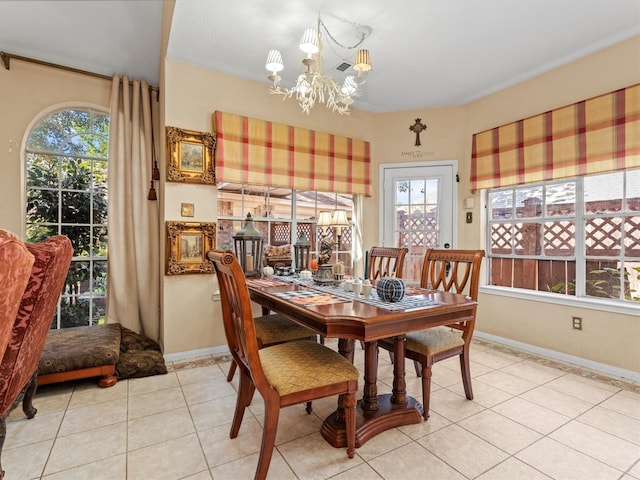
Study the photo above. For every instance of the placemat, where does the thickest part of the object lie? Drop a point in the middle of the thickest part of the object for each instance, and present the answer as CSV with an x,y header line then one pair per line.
x,y
266,282
310,297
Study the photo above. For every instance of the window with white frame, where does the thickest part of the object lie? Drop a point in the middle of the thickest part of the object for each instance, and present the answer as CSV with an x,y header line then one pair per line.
x,y
283,215
66,189
578,236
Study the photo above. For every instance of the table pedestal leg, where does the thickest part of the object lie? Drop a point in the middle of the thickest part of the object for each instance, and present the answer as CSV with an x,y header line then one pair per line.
x,y
377,413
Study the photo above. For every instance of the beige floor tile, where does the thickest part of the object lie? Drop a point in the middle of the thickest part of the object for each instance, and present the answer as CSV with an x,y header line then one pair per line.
x,y
533,372
561,462
51,398
464,451
155,402
176,458
213,413
536,417
561,403
113,468
245,468
311,457
635,471
582,388
494,359
600,445
383,443
208,390
219,448
293,423
37,429
513,469
87,447
419,430
627,403
444,376
158,428
452,406
500,431
361,472
92,416
201,374
612,422
204,475
154,383
27,461
483,393
413,461
505,381
87,392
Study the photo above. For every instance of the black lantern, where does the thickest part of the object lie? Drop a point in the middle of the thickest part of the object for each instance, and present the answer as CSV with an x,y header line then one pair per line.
x,y
303,253
248,245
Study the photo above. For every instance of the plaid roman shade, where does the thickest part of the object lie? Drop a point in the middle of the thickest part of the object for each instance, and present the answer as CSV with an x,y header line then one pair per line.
x,y
598,135
258,152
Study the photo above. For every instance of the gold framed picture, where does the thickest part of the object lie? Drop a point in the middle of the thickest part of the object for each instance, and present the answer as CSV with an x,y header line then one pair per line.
x,y
187,247
190,156
186,209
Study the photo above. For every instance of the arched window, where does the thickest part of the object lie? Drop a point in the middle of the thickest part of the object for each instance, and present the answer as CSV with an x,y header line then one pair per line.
x,y
66,186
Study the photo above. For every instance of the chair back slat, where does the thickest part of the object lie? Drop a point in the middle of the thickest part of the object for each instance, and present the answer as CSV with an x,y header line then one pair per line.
x,y
237,315
456,271
383,261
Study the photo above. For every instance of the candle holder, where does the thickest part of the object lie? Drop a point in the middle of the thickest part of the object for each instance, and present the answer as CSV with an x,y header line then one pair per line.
x,y
325,275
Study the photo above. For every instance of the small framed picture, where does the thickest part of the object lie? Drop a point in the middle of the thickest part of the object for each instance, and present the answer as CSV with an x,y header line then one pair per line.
x,y
187,247
190,156
186,210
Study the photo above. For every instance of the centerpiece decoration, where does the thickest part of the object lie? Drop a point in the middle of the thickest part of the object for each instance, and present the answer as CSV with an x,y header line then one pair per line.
x,y
325,269
390,289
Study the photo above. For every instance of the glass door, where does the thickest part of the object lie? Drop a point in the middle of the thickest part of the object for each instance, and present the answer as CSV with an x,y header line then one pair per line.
x,y
418,209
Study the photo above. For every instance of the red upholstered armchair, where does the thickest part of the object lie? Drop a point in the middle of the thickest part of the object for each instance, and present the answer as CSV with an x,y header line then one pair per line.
x,y
15,270
18,368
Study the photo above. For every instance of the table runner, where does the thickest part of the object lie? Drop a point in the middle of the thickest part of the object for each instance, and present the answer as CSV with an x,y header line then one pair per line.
x,y
413,300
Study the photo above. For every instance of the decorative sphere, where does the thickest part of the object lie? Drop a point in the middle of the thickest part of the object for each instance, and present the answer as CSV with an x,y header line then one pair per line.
x,y
390,289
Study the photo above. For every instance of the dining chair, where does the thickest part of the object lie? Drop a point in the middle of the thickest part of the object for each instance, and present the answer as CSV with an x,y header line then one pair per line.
x,y
284,374
385,261
456,271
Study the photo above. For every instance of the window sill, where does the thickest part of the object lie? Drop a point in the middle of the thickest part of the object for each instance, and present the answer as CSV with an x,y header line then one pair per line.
x,y
558,299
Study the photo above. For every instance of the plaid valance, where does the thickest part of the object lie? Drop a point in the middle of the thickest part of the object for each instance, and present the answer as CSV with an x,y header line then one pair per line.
x,y
258,152
598,135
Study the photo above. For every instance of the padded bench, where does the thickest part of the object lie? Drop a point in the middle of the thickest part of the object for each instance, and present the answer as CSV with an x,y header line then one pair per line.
x,y
81,352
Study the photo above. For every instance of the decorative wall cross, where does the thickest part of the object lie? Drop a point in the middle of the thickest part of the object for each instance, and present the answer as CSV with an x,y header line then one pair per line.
x,y
417,128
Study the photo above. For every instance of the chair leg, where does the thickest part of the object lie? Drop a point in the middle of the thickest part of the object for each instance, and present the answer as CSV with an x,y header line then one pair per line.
x,y
245,394
416,365
350,423
30,390
232,370
271,415
426,389
466,375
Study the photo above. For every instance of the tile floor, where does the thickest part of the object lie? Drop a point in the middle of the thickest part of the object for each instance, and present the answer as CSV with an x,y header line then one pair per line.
x,y
531,419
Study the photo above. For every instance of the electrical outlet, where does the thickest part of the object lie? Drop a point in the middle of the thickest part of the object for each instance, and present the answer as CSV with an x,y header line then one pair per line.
x,y
577,323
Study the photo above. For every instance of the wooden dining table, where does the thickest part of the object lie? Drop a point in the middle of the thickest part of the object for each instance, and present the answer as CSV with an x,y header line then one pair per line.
x,y
334,313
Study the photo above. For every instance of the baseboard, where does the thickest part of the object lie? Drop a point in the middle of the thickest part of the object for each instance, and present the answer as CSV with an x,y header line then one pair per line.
x,y
563,357
219,351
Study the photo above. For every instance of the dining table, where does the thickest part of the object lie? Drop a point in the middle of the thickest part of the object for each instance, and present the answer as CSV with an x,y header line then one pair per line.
x,y
332,312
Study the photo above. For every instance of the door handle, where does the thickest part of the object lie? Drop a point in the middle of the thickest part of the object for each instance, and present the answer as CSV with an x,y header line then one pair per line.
x,y
447,245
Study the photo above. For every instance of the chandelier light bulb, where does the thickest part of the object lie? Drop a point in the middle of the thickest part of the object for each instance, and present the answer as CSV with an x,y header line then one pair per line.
x,y
349,86
309,43
363,61
274,62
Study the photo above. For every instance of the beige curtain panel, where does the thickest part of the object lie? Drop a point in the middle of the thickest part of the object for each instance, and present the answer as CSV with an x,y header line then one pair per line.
x,y
134,236
597,135
249,150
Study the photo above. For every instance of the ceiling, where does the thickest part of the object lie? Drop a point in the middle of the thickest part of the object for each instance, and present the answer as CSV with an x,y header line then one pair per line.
x,y
425,53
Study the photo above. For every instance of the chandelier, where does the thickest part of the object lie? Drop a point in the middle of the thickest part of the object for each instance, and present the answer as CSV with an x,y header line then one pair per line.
x,y
313,87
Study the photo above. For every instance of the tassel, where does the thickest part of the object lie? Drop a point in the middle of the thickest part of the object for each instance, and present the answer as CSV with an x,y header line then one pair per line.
x,y
156,170
152,192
